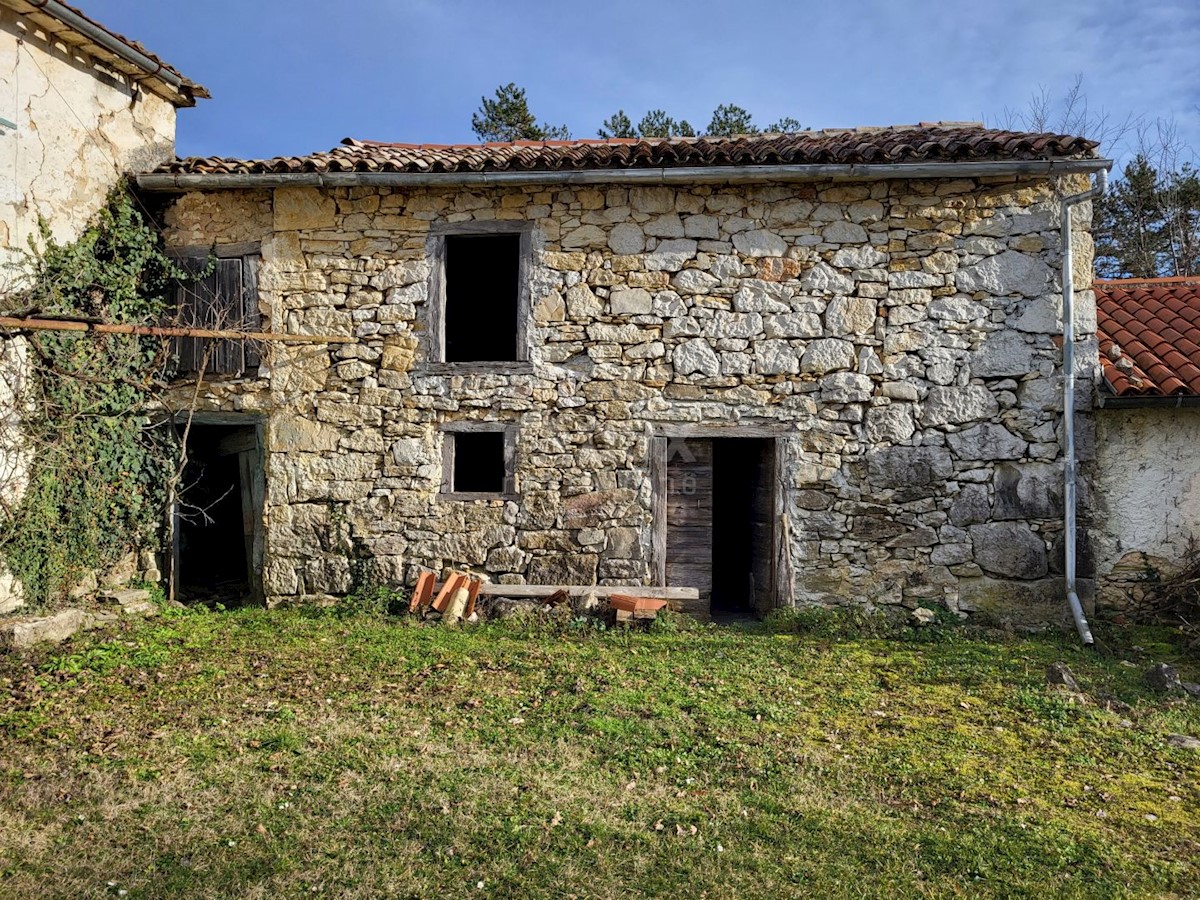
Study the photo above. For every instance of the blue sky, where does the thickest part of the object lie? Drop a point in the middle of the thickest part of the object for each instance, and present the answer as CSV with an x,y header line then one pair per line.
x,y
292,76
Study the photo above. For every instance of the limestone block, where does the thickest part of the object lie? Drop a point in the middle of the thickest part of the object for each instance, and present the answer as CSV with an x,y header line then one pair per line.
x,y
326,575
957,309
850,315
582,303
1015,602
858,258
987,442
670,256
824,279
844,233
899,467
736,363
1009,549
734,325
1005,273
756,295
626,239
303,209
827,355
952,405
291,434
774,357
12,592
1003,354
631,302
759,243
793,325
951,554
25,633
596,507
564,568
652,199
401,274
891,424
695,281
410,452
701,227
668,226
912,279
971,506
696,356
846,387
586,236
1028,491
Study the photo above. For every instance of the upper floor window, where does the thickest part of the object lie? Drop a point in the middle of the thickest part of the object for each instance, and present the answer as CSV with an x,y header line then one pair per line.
x,y
479,301
225,299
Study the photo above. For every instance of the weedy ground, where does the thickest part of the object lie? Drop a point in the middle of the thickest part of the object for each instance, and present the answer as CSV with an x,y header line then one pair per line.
x,y
261,754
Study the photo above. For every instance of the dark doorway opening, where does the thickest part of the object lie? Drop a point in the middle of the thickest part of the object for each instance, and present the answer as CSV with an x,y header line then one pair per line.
x,y
217,552
720,522
482,288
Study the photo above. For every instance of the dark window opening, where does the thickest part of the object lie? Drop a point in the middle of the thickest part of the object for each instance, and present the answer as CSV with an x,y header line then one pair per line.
x,y
482,288
218,529
478,466
224,299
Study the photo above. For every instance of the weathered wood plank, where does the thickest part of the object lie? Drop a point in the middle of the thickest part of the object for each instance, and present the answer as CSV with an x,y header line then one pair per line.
x,y
542,591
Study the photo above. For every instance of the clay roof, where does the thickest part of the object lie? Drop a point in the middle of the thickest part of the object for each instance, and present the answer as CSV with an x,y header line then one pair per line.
x,y
185,94
1149,334
938,141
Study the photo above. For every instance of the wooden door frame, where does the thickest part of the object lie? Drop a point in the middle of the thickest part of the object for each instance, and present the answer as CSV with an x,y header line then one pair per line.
x,y
659,443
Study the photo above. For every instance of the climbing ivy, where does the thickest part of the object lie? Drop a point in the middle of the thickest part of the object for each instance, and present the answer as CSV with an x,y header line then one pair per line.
x,y
99,464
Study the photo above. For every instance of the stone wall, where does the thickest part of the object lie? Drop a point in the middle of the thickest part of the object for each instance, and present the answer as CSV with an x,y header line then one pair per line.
x,y
1147,488
897,335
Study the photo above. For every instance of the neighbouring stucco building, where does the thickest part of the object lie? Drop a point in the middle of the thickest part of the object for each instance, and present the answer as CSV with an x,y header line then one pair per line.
x,y
80,108
818,367
1147,475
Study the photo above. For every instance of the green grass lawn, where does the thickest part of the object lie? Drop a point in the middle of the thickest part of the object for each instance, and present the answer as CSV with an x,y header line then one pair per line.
x,y
264,754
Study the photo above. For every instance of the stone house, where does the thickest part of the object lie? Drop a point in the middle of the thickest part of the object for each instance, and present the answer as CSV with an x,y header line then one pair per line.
x,y
783,369
1147,418
80,108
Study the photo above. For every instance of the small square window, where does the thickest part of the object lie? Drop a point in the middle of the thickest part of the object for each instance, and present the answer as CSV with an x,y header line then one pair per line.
x,y
478,461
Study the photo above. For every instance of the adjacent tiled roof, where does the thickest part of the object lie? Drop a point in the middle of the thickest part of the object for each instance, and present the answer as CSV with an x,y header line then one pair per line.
x,y
185,95
940,141
1149,334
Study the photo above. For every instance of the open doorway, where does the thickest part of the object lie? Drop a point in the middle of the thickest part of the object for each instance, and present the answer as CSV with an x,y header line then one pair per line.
x,y
720,522
217,544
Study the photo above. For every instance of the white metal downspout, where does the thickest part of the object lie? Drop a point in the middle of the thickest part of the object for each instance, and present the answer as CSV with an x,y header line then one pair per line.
x,y
1068,324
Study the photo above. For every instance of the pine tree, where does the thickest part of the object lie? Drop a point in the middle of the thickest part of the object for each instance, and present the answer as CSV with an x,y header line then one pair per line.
x,y
508,118
1148,225
786,125
617,125
729,120
656,123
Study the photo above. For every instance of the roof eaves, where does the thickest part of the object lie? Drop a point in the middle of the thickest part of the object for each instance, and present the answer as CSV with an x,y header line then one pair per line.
x,y
71,26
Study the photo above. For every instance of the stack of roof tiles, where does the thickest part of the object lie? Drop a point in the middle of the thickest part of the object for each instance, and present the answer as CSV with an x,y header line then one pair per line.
x,y
947,142
1149,334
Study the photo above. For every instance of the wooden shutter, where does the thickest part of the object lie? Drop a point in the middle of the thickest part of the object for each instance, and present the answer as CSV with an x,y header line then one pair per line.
x,y
226,298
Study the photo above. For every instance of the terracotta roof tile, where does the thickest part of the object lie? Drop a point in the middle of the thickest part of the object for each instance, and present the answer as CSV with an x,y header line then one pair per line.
x,y
949,142
1149,334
